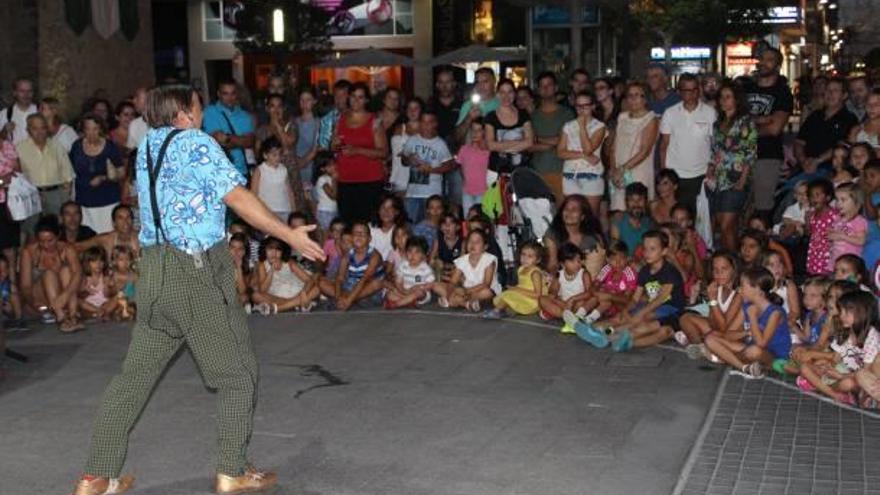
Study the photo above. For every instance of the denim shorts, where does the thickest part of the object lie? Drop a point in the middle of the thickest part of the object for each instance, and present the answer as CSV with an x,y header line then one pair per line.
x,y
666,314
729,201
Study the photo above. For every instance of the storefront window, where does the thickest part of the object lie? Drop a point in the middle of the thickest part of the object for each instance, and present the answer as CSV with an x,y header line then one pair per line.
x,y
551,50
216,17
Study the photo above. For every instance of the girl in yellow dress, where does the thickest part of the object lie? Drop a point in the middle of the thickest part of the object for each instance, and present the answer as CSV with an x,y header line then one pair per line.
x,y
522,299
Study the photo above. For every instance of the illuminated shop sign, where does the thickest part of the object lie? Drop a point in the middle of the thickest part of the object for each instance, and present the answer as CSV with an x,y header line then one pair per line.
x,y
682,53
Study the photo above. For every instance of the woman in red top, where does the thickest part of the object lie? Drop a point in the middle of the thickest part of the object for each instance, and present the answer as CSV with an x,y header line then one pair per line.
x,y
361,147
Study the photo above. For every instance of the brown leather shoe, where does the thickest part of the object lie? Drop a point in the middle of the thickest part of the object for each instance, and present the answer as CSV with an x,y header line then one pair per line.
x,y
103,486
253,480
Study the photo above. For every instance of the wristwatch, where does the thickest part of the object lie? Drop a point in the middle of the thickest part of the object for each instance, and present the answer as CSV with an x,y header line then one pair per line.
x,y
713,303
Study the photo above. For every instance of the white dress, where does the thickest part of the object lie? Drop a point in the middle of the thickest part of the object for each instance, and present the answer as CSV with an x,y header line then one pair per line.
x,y
285,283
627,141
273,189
399,177
381,241
580,176
473,275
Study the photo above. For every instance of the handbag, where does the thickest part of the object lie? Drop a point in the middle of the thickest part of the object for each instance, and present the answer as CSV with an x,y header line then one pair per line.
x,y
703,221
22,198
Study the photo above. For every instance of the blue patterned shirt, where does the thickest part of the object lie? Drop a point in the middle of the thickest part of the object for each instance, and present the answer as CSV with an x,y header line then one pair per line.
x,y
325,130
196,175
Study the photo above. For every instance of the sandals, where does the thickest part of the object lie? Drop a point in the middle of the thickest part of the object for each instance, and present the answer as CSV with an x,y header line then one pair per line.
x,y
69,325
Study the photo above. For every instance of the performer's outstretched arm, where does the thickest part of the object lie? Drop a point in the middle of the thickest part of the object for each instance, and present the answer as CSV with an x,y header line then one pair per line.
x,y
255,213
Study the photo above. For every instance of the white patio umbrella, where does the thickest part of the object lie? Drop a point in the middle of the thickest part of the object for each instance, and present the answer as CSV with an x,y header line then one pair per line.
x,y
368,57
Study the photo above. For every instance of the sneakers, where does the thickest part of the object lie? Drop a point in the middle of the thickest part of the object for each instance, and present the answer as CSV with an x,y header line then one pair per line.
x,y
493,314
681,338
695,351
424,300
751,371
474,306
567,329
571,319
590,335
804,384
307,308
265,309
545,315
253,480
90,485
623,342
443,302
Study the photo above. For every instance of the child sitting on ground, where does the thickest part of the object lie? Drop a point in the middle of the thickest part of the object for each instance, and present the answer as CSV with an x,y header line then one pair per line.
x,y
124,279
361,273
784,287
333,247
252,254
684,217
449,247
793,223
683,256
435,208
854,348
96,291
474,280
725,316
809,330
242,271
759,223
615,283
10,299
570,290
654,307
400,236
522,299
752,247
765,322
413,277
281,283
852,268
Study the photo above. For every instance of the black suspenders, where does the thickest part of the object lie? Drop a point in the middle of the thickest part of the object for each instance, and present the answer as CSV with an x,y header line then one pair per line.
x,y
153,171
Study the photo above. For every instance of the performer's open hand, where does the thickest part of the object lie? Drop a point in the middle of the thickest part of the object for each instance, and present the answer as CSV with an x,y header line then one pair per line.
x,y
300,241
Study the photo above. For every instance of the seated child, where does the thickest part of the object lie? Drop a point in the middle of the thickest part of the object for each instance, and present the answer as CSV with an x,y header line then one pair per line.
x,y
808,331
654,307
522,299
413,277
238,251
400,236
766,323
124,279
853,348
361,273
281,284
482,222
301,219
615,282
852,268
449,247
435,208
97,289
253,245
684,257
752,247
684,217
841,170
758,222
570,290
725,317
475,279
10,299
333,247
794,217
784,287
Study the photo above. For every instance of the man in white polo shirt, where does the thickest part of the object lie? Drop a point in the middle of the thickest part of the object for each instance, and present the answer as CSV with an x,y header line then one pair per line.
x,y
14,117
686,139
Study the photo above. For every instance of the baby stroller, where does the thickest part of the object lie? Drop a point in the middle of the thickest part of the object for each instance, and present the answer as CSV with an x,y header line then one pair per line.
x,y
524,212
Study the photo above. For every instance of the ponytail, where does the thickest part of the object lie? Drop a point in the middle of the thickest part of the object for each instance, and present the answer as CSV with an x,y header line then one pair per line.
x,y
761,278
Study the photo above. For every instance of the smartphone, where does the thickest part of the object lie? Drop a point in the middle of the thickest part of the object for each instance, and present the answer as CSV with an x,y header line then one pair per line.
x,y
475,99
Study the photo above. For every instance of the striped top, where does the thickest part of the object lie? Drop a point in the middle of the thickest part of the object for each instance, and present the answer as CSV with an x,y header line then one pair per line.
x,y
357,269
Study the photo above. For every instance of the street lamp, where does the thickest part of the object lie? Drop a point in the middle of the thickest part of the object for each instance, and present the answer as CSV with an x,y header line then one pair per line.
x,y
278,26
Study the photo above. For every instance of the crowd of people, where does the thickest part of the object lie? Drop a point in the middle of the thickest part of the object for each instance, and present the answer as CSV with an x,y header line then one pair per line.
x,y
694,215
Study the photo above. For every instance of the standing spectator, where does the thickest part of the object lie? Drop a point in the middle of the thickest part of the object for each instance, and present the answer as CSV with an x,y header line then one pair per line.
x,y
547,123
362,147
525,99
277,85
230,125
607,105
96,185
10,231
770,103
400,172
710,87
125,114
270,183
428,159
869,130
579,145
662,96
62,133
341,90
390,115
72,229
686,140
508,131
446,104
578,81
100,107
14,117
46,165
858,90
734,148
634,140
306,125
815,96
138,127
486,103
822,130
474,160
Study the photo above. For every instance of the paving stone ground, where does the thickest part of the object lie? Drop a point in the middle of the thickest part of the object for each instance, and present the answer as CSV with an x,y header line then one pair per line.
x,y
765,438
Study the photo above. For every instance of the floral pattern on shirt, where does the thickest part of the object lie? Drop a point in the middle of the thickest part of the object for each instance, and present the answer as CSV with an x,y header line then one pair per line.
x,y
732,149
195,176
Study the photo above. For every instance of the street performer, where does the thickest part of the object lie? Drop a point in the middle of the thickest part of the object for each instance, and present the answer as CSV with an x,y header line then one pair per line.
x,y
186,294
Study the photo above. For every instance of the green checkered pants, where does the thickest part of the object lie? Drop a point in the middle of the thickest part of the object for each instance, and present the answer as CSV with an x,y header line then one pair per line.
x,y
178,304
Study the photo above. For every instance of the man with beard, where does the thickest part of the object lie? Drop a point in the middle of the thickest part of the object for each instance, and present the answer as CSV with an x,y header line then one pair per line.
x,y
633,224
823,129
859,89
446,105
710,84
770,104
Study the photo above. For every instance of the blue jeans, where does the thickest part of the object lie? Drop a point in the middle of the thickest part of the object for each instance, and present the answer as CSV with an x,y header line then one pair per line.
x,y
415,209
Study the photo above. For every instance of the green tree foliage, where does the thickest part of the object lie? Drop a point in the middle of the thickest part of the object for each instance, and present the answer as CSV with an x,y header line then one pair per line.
x,y
305,26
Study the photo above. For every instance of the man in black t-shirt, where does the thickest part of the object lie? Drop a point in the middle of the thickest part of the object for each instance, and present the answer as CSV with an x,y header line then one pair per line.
x,y
823,129
657,302
770,103
73,230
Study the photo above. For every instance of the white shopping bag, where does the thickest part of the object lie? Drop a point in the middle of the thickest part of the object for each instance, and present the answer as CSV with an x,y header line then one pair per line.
x,y
22,198
703,221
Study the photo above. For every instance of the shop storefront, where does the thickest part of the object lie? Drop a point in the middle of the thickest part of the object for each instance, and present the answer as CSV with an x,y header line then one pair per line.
x,y
685,59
